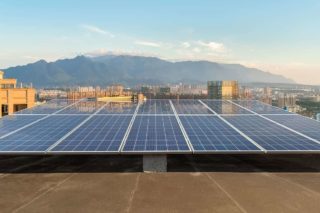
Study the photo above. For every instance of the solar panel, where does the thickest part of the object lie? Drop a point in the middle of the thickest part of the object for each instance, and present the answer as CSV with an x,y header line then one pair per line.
x,y
270,136
47,108
119,108
225,107
99,134
190,107
299,123
83,107
260,108
12,122
39,136
155,134
212,134
155,107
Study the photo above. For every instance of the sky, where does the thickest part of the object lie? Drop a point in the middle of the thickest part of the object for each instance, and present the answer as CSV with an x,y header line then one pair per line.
x,y
281,37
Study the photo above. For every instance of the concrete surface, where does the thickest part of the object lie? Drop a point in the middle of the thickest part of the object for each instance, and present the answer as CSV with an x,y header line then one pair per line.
x,y
155,163
202,183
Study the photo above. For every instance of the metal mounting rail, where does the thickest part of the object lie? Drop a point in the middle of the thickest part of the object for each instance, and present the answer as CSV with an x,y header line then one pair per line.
x,y
126,135
75,129
34,122
292,130
181,127
235,128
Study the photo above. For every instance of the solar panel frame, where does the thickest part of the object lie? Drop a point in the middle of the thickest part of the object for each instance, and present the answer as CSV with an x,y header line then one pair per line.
x,y
155,107
277,123
12,123
213,135
260,107
223,107
162,129
106,130
273,138
84,107
304,125
39,136
190,107
48,108
125,109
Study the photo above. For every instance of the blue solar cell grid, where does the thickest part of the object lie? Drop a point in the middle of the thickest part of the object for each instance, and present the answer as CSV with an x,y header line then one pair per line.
x,y
299,123
99,134
155,134
270,136
119,108
83,107
225,107
190,107
260,108
212,134
155,107
12,122
41,135
47,108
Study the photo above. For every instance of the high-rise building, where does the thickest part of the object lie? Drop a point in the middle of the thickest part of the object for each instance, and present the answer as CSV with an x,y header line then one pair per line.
x,y
223,89
13,99
286,100
267,92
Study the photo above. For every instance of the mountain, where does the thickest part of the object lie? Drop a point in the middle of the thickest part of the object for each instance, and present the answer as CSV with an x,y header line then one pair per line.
x,y
132,70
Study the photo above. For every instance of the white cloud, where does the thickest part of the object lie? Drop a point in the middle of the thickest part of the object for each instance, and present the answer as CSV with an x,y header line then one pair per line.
x,y
98,30
148,43
186,44
214,46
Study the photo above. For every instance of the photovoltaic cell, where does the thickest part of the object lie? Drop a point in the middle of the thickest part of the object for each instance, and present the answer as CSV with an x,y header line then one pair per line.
x,y
260,108
155,134
83,107
190,107
41,135
119,108
225,107
99,134
155,107
270,136
300,124
11,123
47,108
212,134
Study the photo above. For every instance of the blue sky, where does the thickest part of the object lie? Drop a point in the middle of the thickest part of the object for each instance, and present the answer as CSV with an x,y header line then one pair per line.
x,y
281,37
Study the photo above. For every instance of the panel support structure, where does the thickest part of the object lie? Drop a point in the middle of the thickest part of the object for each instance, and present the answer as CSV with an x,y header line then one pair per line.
x,y
181,127
126,135
155,163
299,133
236,129
30,124
74,129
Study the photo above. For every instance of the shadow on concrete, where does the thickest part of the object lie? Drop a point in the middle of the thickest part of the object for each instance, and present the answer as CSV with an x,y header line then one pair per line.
x,y
176,163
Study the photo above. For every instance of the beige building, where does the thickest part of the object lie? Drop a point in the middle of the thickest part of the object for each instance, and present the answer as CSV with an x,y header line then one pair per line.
x,y
223,90
13,99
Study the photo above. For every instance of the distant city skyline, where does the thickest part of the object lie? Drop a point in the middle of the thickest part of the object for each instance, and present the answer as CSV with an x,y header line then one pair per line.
x,y
281,37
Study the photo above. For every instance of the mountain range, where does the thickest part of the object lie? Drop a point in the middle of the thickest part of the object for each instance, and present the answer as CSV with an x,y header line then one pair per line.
x,y
132,70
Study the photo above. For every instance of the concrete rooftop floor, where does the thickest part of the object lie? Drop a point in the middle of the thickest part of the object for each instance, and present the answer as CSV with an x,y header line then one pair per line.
x,y
198,183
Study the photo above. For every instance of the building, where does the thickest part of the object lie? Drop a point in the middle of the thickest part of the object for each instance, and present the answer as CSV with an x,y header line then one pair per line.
x,y
13,99
223,89
286,100
318,117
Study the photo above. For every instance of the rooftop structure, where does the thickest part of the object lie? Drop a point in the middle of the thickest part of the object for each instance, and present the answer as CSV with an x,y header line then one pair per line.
x,y
223,90
13,99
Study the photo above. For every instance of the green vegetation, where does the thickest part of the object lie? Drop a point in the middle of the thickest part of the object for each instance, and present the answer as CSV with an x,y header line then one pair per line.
x,y
312,107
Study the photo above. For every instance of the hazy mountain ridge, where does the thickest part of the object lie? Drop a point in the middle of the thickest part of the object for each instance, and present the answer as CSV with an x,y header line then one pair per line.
x,y
131,70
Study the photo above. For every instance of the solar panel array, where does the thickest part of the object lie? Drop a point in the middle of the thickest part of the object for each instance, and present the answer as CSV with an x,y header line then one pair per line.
x,y
157,126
